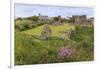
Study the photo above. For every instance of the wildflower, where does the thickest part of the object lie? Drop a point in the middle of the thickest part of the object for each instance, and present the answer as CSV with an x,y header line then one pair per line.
x,y
65,52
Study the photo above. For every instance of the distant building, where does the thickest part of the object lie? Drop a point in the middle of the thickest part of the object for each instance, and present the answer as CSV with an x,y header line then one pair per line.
x,y
43,18
79,19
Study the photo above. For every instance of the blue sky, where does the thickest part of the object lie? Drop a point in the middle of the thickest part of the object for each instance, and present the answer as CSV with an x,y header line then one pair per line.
x,y
25,10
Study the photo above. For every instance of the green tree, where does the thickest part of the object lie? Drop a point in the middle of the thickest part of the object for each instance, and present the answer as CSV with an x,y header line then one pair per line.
x,y
55,18
33,18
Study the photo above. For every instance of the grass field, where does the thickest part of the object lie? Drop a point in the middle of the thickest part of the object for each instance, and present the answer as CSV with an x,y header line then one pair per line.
x,y
32,50
55,29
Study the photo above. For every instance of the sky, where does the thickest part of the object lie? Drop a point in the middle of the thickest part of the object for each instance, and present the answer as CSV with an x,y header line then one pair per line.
x,y
25,10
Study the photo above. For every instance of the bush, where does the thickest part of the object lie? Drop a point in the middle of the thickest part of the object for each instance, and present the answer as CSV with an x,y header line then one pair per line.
x,y
22,25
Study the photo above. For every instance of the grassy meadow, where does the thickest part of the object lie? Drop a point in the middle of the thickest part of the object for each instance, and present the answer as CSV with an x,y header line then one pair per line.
x,y
31,49
55,30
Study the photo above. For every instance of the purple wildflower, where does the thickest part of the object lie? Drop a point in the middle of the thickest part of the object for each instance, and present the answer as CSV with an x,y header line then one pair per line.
x,y
65,52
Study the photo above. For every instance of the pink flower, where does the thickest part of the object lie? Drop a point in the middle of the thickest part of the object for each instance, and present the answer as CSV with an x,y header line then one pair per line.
x,y
65,52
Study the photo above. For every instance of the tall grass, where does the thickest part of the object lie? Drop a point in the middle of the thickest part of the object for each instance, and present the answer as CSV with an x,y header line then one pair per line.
x,y
30,49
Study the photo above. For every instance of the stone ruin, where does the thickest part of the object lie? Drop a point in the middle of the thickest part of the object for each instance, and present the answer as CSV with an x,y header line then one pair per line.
x,y
67,33
76,19
46,33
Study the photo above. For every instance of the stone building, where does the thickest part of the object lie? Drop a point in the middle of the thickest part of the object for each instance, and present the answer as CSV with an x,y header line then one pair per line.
x,y
79,19
43,18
